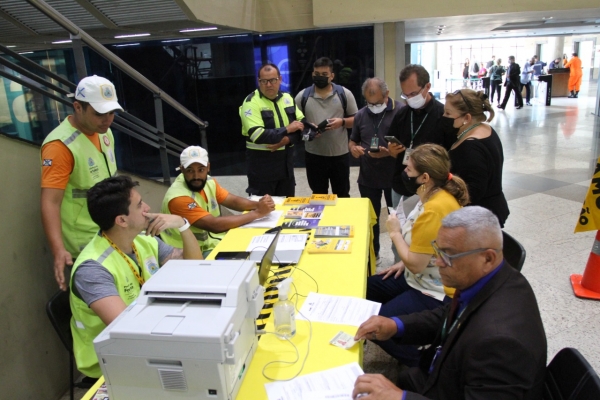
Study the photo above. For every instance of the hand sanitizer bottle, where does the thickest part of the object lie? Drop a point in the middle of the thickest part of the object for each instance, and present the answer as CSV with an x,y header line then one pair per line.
x,y
285,312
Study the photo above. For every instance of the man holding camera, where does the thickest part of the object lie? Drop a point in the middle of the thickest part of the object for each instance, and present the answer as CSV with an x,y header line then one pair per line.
x,y
271,123
331,107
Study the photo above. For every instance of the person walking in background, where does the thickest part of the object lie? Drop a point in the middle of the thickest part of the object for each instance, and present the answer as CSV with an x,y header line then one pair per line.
x,y
474,74
554,64
574,65
526,74
465,73
496,73
512,83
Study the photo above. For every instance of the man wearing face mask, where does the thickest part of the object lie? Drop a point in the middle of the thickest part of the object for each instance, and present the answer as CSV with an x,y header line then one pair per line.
x,y
327,155
368,144
197,197
421,122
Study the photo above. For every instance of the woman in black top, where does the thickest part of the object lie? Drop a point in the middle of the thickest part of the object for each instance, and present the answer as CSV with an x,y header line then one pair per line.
x,y
477,154
496,73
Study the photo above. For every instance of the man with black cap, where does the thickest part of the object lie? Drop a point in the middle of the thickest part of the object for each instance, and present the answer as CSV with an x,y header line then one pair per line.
x,y
76,155
197,197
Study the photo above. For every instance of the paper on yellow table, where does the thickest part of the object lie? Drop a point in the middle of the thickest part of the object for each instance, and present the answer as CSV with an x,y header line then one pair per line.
x,y
344,310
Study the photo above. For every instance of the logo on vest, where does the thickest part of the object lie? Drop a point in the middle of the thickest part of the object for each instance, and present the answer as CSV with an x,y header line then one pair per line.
x,y
47,162
111,155
213,204
191,206
107,92
106,140
151,265
248,113
286,101
94,170
90,162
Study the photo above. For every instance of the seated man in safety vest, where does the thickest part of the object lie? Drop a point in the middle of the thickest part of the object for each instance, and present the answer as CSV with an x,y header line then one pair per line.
x,y
111,269
196,196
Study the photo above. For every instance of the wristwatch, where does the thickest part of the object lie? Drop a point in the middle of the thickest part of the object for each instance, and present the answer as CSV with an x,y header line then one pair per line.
x,y
185,226
343,123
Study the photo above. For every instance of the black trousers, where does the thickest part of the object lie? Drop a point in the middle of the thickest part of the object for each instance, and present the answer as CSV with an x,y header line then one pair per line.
x,y
282,187
496,86
321,170
512,87
375,196
527,91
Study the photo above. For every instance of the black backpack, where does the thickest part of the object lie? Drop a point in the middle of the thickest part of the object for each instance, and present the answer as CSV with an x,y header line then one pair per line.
x,y
339,90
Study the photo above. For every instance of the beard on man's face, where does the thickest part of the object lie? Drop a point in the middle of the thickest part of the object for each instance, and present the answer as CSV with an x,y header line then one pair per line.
x,y
196,185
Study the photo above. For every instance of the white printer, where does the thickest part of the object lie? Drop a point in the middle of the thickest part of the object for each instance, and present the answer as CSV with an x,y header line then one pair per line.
x,y
189,335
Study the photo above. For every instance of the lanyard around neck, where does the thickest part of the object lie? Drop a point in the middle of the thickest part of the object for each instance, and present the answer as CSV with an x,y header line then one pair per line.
x,y
467,130
379,124
412,132
139,278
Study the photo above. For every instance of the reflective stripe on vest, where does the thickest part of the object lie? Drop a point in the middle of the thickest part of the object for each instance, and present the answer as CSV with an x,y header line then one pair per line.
x,y
85,324
256,146
90,167
206,240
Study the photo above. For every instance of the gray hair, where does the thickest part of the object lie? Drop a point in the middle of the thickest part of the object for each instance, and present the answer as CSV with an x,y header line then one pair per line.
x,y
480,224
378,82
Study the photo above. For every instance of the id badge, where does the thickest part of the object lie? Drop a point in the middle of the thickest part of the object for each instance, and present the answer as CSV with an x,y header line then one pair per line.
x,y
374,144
407,154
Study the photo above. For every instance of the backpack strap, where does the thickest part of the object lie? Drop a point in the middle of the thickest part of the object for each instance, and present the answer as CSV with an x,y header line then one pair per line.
x,y
339,90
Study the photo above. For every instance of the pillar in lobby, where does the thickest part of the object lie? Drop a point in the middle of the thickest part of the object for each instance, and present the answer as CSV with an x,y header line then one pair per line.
x,y
390,54
558,48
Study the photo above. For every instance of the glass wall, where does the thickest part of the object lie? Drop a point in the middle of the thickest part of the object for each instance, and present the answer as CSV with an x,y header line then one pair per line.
x,y
210,76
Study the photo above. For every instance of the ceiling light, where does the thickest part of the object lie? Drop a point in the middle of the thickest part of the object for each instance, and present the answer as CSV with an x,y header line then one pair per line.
x,y
441,26
545,18
62,41
131,35
11,46
175,40
210,28
27,52
128,44
229,36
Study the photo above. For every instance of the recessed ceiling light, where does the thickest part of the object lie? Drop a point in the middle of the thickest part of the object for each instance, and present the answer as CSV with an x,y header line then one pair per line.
x,y
545,18
62,41
131,35
210,28
230,36
27,52
11,46
128,44
174,40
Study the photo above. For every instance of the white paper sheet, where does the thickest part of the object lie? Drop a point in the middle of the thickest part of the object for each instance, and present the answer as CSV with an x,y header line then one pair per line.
x,y
276,199
343,310
285,242
268,221
335,384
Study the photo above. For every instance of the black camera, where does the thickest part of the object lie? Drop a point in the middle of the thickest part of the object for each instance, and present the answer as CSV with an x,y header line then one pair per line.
x,y
309,133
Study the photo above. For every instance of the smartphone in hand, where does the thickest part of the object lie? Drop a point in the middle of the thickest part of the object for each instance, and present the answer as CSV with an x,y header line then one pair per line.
x,y
393,139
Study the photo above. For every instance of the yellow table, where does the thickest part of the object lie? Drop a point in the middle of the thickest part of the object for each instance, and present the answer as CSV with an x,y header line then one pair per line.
x,y
338,274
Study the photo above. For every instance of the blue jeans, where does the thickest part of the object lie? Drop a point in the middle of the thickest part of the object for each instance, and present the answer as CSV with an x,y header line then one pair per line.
x,y
399,298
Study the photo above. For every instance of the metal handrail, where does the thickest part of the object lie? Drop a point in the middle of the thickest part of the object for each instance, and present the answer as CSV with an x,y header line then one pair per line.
x,y
110,56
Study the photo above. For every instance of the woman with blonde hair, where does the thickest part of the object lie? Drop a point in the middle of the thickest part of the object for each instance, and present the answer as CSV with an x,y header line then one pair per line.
x,y
414,284
477,155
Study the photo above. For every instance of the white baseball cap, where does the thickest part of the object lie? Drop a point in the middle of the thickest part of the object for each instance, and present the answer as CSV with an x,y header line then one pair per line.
x,y
99,92
194,154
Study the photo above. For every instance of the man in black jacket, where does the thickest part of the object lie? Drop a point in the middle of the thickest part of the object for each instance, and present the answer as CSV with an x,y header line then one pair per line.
x,y
489,343
512,83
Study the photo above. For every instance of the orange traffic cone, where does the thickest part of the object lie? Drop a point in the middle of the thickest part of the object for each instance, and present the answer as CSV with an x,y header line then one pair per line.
x,y
588,285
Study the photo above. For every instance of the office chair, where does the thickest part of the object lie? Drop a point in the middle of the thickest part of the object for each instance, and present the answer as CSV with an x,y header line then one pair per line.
x,y
514,253
570,376
59,313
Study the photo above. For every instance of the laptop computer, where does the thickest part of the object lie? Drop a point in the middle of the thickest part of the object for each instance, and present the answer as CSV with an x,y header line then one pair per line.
x,y
285,256
266,261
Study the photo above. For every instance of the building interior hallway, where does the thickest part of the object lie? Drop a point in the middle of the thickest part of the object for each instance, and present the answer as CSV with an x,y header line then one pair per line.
x,y
550,156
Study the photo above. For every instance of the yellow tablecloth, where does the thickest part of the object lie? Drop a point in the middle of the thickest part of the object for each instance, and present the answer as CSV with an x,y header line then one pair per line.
x,y
338,274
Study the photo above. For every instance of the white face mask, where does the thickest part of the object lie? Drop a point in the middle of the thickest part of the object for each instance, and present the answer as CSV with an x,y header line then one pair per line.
x,y
376,108
416,102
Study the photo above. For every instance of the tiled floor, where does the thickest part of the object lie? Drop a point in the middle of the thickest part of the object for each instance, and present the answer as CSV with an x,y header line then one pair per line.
x,y
550,156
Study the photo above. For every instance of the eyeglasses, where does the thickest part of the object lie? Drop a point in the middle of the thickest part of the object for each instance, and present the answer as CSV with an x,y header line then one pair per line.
x,y
408,96
264,82
447,258
463,97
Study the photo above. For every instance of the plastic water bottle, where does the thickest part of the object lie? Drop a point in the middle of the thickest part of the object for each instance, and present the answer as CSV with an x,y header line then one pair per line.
x,y
284,312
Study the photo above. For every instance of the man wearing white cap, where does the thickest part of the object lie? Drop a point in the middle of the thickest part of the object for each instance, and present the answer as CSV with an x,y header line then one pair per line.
x,y
196,196
75,156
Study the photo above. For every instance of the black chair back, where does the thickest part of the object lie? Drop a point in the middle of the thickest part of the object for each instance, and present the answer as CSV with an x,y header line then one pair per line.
x,y
514,253
59,312
570,377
